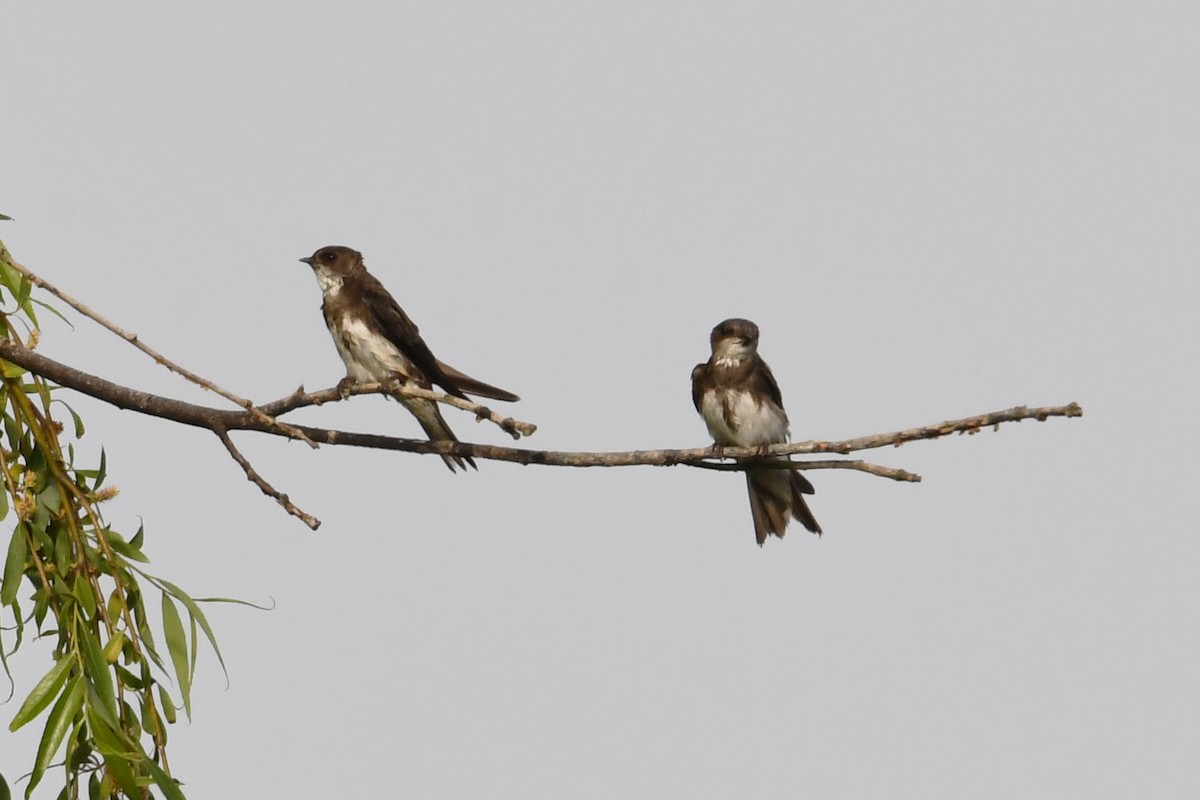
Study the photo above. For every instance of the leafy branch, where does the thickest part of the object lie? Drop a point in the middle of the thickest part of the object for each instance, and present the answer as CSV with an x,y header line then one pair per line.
x,y
76,581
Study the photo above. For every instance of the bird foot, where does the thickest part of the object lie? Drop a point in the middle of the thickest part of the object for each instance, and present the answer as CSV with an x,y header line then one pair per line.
x,y
344,386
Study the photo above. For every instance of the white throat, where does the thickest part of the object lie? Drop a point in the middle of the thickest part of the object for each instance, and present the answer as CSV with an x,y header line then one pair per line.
x,y
731,353
329,282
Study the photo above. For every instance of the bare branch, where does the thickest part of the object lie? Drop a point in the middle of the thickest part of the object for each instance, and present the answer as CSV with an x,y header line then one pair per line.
x,y
895,474
969,425
299,399
702,457
267,489
159,358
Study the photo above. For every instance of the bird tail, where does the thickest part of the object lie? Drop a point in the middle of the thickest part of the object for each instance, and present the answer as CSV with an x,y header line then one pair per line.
x,y
776,495
468,385
434,425
800,509
770,516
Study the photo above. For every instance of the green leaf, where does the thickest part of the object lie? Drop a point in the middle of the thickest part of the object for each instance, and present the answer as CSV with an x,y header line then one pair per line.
x,y
24,289
112,650
131,727
150,721
177,648
78,420
127,549
6,218
115,605
14,565
13,432
57,725
81,754
169,786
12,686
168,705
51,497
148,645
195,648
5,794
130,679
62,550
45,691
122,770
8,277
41,604
109,741
195,611
97,669
41,539
11,370
82,590
52,310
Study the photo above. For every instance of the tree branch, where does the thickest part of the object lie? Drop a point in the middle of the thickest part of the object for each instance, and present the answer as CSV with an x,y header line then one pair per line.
x,y
132,338
252,475
218,420
904,476
299,399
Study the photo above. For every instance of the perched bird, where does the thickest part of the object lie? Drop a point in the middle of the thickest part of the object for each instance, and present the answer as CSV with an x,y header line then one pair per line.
x,y
739,399
379,342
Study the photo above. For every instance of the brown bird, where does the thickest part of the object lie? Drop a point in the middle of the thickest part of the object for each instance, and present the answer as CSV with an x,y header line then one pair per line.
x,y
378,342
737,396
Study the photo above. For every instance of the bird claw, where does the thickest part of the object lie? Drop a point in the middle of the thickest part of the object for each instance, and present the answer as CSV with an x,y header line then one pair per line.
x,y
344,386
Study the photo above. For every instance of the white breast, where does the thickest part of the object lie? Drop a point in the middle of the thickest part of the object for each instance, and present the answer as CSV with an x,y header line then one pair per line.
x,y
748,425
368,355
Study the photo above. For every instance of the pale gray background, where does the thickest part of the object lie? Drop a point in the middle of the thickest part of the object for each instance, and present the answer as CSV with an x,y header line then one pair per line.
x,y
931,209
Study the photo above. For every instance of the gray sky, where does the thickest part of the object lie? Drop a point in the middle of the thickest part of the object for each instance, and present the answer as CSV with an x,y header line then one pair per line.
x,y
930,209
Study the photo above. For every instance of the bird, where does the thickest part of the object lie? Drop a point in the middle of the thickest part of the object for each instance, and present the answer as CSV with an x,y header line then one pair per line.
x,y
736,394
379,342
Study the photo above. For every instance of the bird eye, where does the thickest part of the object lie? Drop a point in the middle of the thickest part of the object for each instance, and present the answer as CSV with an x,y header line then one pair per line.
x,y
327,256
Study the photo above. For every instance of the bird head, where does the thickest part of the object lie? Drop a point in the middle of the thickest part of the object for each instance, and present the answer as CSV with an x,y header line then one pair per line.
x,y
734,339
332,264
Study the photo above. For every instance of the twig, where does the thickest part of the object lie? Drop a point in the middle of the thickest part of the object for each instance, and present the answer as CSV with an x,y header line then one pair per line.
x,y
969,425
159,358
895,474
299,399
267,489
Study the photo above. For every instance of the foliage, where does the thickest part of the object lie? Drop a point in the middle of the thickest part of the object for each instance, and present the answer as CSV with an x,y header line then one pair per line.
x,y
71,578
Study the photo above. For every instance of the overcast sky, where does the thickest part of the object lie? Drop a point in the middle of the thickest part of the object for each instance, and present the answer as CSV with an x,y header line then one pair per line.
x,y
931,209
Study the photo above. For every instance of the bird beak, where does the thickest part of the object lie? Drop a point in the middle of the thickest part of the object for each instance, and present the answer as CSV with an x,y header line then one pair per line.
x,y
308,260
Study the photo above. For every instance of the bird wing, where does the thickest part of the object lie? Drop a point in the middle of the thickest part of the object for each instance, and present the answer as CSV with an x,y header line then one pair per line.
x,y
699,374
764,382
475,386
403,333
